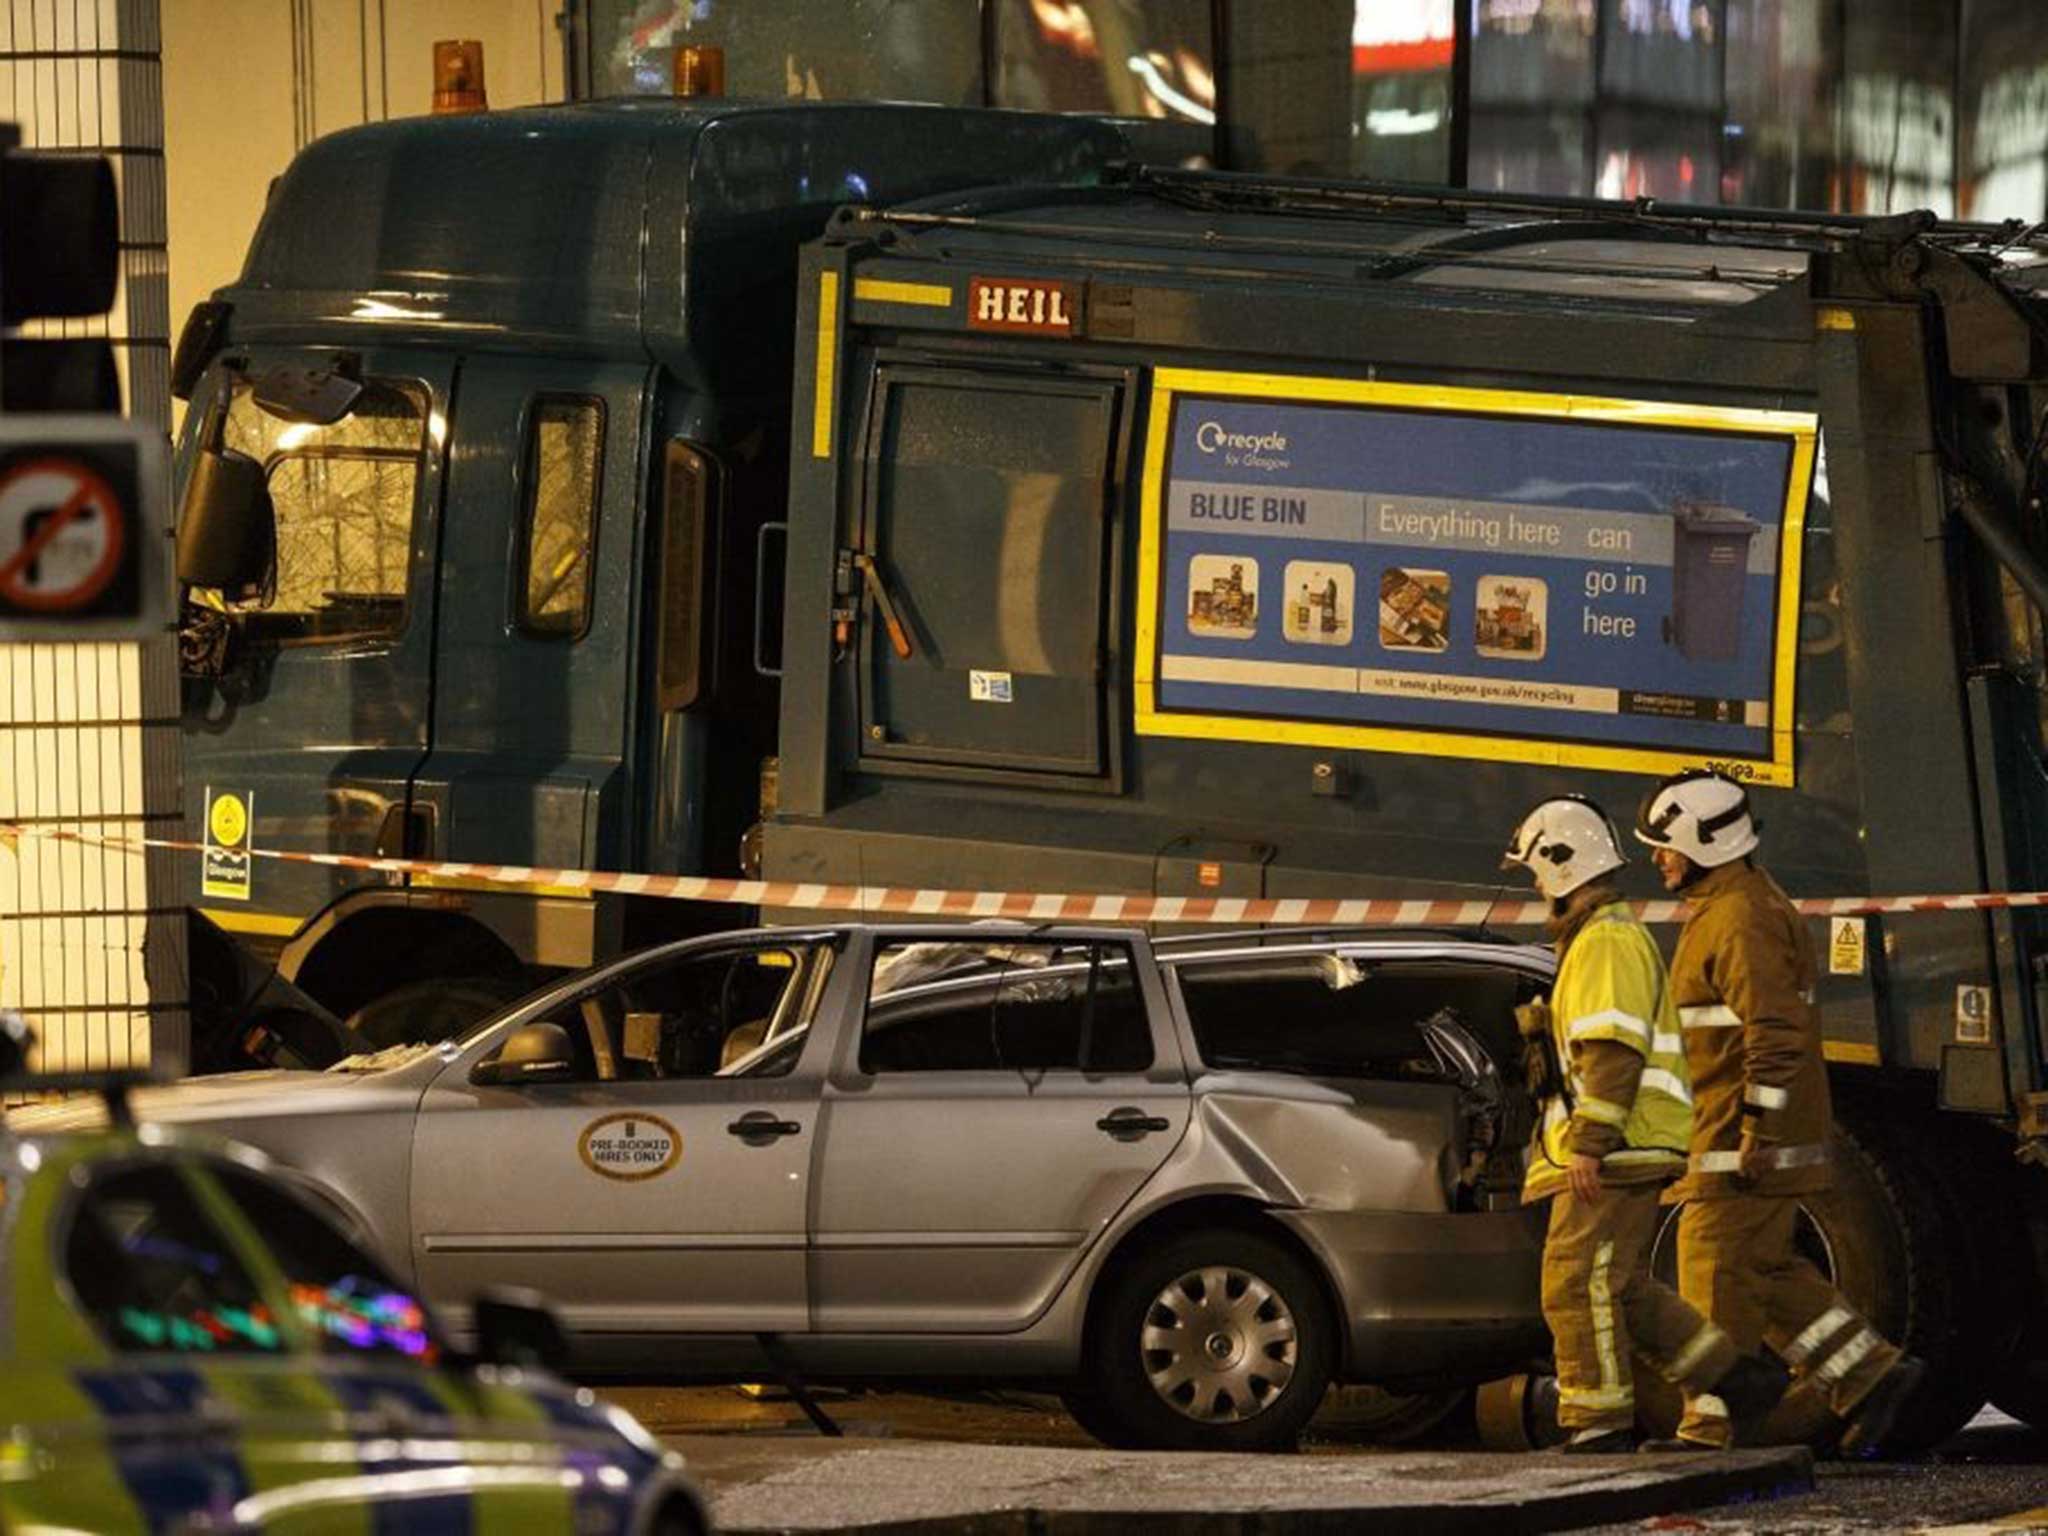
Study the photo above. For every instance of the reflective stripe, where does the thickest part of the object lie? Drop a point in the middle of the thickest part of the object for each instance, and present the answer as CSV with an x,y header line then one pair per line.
x,y
1710,1016
1708,1406
1604,1112
1848,1357
1822,1328
1810,1156
1644,1155
1687,1360
1608,1024
1667,1045
1763,1096
1670,1084
1602,1294
1596,1397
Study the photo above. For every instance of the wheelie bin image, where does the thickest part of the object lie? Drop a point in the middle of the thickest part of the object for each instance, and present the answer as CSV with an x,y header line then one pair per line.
x,y
1709,572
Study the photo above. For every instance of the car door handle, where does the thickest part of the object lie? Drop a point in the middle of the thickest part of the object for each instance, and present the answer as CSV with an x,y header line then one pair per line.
x,y
1128,1124
758,1127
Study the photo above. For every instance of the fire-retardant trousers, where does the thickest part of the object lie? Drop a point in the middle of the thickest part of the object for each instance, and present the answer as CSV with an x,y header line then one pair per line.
x,y
1736,1262
1602,1304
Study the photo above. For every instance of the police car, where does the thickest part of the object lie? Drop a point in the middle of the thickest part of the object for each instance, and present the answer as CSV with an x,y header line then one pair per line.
x,y
187,1344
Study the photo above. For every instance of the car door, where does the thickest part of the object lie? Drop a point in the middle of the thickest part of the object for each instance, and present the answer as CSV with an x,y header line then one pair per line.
x,y
998,1105
1430,1149
645,1186
322,716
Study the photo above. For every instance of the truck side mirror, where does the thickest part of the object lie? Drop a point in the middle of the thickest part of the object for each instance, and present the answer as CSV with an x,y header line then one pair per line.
x,y
537,1053
312,396
227,528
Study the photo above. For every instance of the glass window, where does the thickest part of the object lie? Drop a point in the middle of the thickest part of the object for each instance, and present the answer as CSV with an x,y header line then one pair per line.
x,y
564,470
2004,116
1401,57
340,1293
1898,107
344,497
1326,1015
891,50
153,1272
696,1015
1135,58
1784,64
971,1007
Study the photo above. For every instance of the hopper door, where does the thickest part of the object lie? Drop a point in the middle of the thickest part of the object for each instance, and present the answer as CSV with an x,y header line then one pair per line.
x,y
986,519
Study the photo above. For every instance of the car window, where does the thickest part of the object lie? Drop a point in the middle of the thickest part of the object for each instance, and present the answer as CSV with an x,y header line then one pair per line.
x,y
342,1294
949,1007
154,1273
1329,1016
694,1015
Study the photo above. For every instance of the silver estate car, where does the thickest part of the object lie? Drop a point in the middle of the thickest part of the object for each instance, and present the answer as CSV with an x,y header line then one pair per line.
x,y
1188,1183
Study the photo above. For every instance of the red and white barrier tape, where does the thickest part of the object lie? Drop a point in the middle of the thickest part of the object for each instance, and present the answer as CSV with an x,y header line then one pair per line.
x,y
908,901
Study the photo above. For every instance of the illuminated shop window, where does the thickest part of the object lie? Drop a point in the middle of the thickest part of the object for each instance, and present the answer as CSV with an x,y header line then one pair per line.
x,y
891,50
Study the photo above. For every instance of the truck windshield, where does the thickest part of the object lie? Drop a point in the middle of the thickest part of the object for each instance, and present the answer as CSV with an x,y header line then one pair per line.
x,y
344,495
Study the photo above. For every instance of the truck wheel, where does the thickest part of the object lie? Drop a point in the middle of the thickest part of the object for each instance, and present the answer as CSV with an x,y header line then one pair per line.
x,y
1217,1341
422,1012
1890,1236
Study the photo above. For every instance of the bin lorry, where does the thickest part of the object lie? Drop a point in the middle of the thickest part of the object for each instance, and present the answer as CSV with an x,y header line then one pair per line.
x,y
543,504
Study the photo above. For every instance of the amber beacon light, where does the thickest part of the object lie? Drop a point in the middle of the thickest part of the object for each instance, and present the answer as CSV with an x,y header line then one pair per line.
x,y
459,76
700,71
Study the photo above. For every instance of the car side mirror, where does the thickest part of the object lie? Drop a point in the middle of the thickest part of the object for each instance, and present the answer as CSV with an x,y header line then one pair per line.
x,y
227,527
516,1327
536,1053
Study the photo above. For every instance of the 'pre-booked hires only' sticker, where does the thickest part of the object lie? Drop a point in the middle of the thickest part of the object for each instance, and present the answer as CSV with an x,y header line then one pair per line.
x,y
630,1146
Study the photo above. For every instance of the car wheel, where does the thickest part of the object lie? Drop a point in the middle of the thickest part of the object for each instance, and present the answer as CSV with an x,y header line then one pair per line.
x,y
1219,1340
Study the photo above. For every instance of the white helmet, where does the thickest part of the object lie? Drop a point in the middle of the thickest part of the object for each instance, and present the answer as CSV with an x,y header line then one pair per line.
x,y
1701,814
1564,843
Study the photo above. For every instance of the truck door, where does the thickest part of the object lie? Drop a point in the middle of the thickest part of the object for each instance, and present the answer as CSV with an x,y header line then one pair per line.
x,y
534,664
322,717
986,510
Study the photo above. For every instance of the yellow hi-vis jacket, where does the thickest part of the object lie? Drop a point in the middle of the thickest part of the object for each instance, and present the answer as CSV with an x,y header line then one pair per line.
x,y
1627,1098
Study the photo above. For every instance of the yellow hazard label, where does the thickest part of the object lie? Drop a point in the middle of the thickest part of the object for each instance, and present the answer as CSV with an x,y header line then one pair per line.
x,y
228,820
1845,946
225,867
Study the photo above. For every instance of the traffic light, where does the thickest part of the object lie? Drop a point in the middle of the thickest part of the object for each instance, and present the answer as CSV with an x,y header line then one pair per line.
x,y
60,259
81,490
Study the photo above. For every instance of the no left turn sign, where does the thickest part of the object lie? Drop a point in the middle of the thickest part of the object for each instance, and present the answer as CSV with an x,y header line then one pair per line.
x,y
63,530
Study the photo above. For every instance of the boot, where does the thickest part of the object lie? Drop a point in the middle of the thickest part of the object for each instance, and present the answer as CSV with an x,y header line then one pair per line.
x,y
1872,1419
1751,1388
1598,1442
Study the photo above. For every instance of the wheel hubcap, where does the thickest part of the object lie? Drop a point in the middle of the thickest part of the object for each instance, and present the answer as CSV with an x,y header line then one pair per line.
x,y
1218,1345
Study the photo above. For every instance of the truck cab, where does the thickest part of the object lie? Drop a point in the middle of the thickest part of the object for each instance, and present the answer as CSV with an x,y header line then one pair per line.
x,y
482,478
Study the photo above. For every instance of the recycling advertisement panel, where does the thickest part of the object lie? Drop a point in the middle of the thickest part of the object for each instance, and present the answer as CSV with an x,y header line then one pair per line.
x,y
1484,573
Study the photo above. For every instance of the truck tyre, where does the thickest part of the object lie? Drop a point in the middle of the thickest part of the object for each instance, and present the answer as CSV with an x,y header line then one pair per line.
x,y
1891,1236
422,1012
1219,1340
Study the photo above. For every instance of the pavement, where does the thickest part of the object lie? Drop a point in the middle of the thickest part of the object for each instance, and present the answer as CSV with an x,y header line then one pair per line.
x,y
791,1483
997,1462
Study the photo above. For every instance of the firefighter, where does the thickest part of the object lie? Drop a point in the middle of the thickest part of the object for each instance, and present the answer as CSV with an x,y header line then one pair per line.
x,y
1605,1060
1743,976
